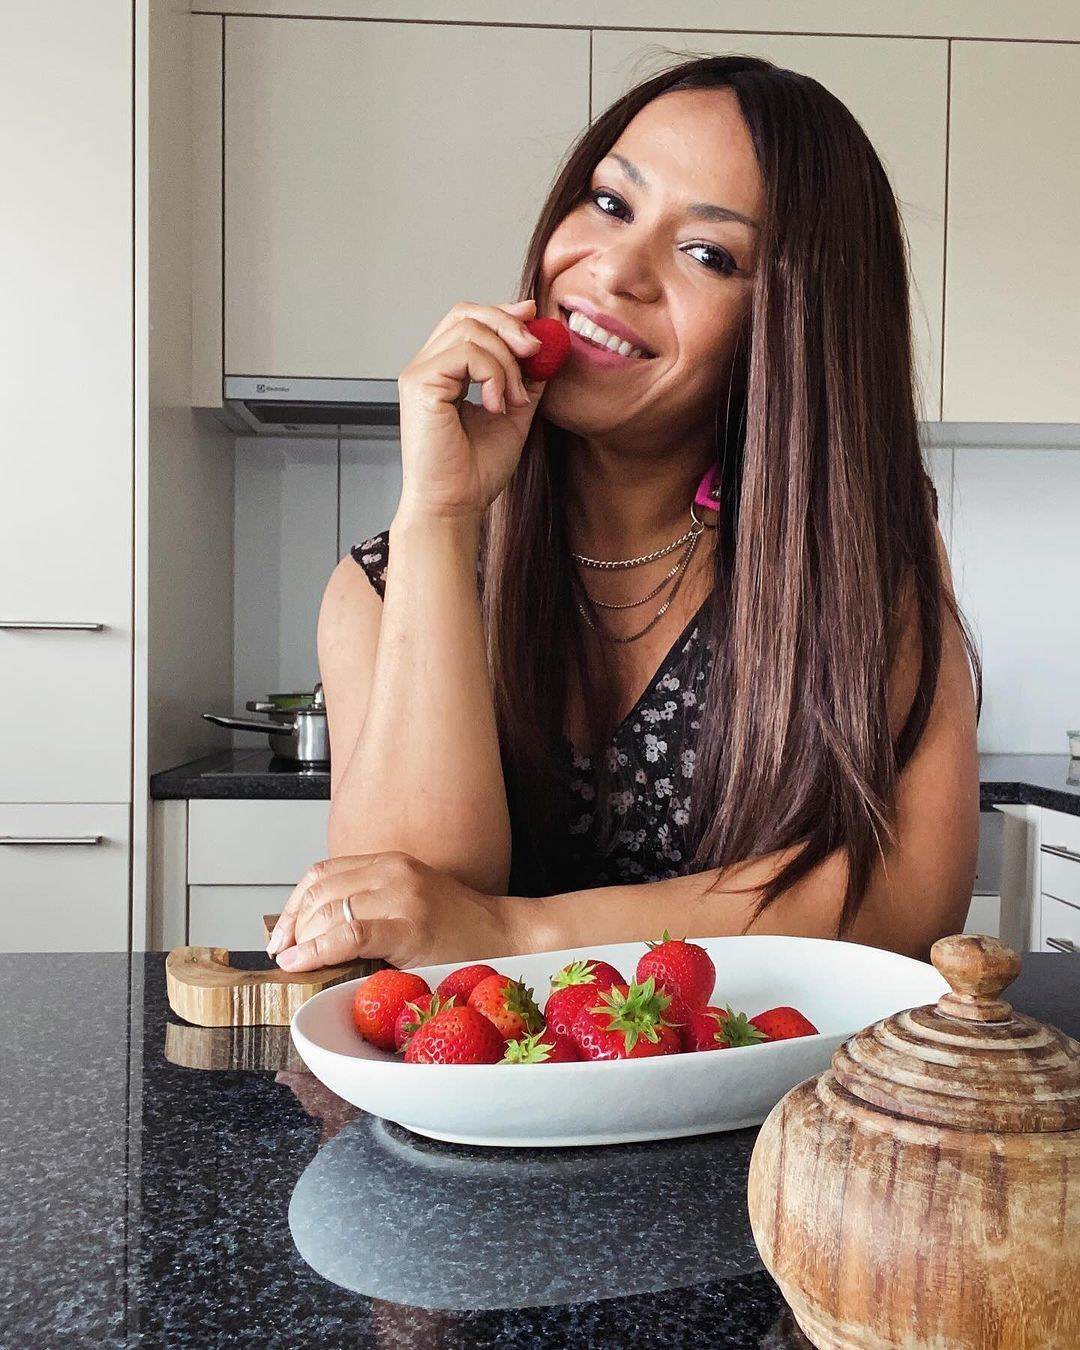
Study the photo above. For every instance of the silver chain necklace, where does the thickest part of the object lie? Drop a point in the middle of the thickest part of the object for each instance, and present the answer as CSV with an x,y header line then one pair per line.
x,y
679,574
695,529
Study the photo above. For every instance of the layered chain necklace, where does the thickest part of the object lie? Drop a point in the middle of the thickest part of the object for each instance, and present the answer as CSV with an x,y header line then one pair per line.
x,y
674,579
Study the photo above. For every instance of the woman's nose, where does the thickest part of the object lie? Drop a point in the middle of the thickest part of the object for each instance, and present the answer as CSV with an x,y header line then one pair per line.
x,y
627,268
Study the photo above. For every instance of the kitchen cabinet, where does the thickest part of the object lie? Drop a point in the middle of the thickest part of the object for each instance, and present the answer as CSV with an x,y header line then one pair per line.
x,y
221,865
66,545
1059,882
64,877
374,174
1012,293
898,90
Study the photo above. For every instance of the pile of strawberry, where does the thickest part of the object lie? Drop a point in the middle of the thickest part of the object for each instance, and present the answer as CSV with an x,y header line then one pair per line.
x,y
478,1016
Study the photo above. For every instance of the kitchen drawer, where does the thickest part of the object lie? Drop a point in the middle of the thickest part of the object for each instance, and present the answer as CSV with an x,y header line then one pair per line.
x,y
1060,921
1060,876
1060,831
64,896
231,916
254,843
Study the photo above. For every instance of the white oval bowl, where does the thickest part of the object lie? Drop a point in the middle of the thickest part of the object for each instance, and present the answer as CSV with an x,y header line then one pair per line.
x,y
841,986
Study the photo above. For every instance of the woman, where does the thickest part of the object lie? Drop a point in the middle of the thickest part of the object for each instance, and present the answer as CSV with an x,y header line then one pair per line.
x,y
755,710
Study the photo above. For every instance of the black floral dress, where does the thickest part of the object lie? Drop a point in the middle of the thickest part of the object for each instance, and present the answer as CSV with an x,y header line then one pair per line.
x,y
650,759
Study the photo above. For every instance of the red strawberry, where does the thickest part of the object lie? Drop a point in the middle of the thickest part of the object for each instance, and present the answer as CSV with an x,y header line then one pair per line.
x,y
572,988
415,1014
626,1022
379,1000
455,1036
682,967
463,981
719,1029
554,348
783,1024
508,1004
542,1047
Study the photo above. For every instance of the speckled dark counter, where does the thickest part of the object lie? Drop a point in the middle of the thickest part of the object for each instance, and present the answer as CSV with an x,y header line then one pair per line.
x,y
149,1203
1036,780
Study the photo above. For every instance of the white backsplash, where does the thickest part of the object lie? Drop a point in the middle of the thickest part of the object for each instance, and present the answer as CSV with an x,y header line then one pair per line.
x,y
1008,518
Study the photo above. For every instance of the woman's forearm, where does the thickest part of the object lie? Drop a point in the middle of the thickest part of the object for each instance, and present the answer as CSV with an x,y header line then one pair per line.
x,y
685,906
720,903
425,777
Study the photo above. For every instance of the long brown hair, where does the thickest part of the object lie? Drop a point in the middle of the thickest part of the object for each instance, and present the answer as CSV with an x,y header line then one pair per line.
x,y
827,532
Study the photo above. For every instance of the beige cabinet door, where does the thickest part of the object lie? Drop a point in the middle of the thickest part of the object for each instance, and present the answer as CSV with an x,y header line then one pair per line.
x,y
375,173
1012,293
64,878
897,89
66,356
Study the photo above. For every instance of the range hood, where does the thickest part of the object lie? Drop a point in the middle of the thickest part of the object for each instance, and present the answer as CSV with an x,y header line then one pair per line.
x,y
267,405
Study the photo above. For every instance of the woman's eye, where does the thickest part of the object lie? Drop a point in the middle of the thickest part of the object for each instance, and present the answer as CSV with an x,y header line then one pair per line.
x,y
718,260
721,262
594,197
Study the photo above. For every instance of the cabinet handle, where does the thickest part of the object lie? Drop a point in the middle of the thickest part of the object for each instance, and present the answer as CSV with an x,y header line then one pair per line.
x,y
37,626
34,839
1060,851
1062,945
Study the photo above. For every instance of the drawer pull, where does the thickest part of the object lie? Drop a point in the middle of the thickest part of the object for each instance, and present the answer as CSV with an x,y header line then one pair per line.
x,y
1060,851
1062,945
28,625
36,839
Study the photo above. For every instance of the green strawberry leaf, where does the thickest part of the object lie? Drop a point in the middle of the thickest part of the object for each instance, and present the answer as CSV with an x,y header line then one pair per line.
x,y
577,972
737,1030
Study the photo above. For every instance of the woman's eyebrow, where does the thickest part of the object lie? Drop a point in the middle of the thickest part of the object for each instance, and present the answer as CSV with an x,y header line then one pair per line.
x,y
699,210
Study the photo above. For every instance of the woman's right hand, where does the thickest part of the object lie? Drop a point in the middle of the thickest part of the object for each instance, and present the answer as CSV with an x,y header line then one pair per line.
x,y
457,456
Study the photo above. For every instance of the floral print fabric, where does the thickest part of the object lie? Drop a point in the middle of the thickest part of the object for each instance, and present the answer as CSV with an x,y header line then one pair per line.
x,y
650,759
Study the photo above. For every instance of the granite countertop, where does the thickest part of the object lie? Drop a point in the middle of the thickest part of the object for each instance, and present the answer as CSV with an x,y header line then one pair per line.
x,y
1052,781
148,1202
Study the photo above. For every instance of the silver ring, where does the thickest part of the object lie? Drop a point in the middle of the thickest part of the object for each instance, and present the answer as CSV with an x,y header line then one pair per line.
x,y
346,909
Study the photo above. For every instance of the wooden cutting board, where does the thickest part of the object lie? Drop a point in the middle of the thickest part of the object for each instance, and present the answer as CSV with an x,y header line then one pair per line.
x,y
205,989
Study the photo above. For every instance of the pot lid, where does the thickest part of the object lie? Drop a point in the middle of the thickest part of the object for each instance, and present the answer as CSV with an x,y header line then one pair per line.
x,y
969,1062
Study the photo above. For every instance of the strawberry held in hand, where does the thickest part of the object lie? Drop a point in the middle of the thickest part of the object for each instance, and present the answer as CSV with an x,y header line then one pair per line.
x,y
554,349
508,1004
626,1022
380,999
682,967
573,987
456,1036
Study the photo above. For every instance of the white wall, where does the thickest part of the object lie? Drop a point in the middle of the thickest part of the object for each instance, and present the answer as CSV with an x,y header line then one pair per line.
x,y
1015,550
300,504
1010,519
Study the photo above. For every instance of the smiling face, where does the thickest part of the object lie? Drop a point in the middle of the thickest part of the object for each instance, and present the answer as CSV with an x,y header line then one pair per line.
x,y
648,249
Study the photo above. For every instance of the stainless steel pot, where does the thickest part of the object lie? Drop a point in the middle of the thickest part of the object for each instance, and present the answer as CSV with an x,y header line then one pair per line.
x,y
297,730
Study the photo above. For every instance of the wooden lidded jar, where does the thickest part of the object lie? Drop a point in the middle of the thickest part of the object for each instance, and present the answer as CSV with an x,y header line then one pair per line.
x,y
924,1192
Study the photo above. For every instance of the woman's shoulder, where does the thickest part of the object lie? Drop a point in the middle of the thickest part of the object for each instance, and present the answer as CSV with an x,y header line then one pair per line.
x,y
373,556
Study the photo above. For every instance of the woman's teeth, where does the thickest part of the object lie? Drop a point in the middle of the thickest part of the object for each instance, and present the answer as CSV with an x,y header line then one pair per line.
x,y
593,333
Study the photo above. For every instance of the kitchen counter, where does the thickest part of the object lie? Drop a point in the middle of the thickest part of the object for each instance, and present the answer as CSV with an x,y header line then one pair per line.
x,y
151,1203
1052,781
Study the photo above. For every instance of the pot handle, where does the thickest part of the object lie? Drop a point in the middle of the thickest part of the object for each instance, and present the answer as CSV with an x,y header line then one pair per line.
x,y
250,724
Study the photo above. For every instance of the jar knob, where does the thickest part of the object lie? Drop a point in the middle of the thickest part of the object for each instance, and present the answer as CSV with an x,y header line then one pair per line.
x,y
977,969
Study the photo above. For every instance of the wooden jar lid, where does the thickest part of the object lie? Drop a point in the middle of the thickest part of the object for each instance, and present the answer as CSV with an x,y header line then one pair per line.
x,y
970,1062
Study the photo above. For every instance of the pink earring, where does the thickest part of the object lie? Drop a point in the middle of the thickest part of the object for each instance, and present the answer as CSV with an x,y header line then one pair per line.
x,y
708,493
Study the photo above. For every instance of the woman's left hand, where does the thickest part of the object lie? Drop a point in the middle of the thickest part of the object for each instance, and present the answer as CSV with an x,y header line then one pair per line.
x,y
403,911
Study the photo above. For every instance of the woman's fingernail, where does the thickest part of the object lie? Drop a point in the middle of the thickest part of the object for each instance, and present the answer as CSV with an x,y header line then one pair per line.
x,y
274,943
288,959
